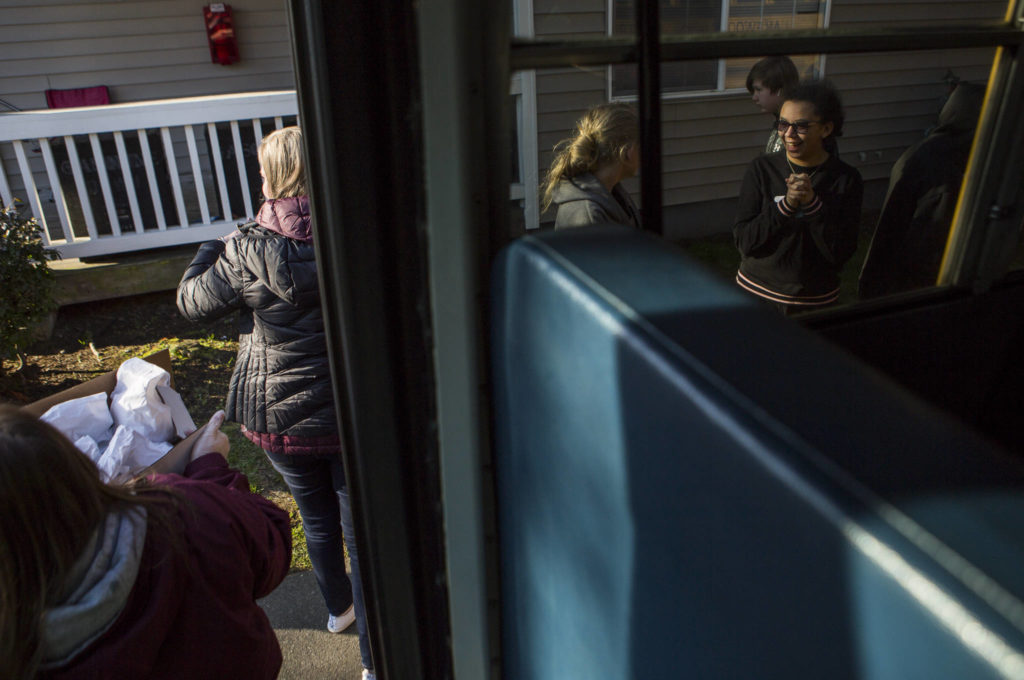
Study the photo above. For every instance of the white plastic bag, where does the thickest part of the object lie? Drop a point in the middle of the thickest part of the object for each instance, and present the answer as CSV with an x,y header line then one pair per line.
x,y
135,403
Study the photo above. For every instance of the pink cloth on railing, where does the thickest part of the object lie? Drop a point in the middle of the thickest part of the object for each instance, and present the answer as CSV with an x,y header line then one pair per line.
x,y
80,96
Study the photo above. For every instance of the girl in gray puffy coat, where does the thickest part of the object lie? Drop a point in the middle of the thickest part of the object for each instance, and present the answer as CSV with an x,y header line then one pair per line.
x,y
280,390
585,175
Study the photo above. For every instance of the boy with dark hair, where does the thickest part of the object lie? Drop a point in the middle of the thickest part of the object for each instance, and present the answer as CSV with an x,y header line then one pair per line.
x,y
768,82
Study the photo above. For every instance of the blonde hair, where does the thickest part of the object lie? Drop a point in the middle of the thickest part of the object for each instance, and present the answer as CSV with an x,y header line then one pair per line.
x,y
280,156
603,135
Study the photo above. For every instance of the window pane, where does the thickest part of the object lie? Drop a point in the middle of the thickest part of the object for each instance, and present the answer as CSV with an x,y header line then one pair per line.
x,y
765,15
677,16
892,107
705,16
690,76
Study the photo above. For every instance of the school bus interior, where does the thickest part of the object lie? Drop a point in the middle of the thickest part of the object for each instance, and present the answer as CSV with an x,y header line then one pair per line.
x,y
581,454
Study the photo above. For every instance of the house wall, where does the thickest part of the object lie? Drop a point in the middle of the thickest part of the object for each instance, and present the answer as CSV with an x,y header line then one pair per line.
x,y
140,50
707,141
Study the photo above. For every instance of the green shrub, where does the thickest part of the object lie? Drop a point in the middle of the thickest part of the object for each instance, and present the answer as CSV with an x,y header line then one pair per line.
x,y
26,282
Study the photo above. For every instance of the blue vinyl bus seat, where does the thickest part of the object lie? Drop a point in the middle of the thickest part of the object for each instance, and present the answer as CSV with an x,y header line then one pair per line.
x,y
691,486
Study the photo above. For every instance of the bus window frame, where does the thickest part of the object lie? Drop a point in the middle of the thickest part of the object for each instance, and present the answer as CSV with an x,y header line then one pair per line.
x,y
431,102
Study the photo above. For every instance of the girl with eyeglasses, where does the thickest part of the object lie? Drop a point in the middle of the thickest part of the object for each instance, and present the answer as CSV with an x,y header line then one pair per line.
x,y
799,209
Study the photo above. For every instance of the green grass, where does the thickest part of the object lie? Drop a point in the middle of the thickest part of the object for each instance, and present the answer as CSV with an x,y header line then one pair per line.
x,y
717,251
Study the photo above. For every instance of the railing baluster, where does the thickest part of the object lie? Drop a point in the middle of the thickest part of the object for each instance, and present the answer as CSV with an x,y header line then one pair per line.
x,y
172,170
5,188
197,174
278,122
55,189
129,182
243,176
154,192
83,193
257,134
30,188
218,165
108,195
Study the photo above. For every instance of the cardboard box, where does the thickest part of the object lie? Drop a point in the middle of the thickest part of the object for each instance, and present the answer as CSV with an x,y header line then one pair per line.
x,y
174,460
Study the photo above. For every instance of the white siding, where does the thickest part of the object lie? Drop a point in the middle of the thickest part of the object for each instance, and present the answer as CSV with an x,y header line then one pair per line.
x,y
140,50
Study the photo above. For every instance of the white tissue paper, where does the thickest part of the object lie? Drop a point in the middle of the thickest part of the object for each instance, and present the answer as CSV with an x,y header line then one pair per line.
x,y
89,447
130,450
136,404
144,423
111,463
82,417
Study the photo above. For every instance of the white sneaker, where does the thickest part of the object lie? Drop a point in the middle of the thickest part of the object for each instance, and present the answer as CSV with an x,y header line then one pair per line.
x,y
336,624
369,675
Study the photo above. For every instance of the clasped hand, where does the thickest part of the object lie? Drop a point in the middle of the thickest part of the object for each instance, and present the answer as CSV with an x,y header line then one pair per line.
x,y
799,190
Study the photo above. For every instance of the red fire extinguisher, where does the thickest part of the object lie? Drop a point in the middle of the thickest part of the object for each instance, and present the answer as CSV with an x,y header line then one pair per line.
x,y
220,32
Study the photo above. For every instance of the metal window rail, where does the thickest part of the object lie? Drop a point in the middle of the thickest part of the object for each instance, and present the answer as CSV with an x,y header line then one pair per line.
x,y
535,54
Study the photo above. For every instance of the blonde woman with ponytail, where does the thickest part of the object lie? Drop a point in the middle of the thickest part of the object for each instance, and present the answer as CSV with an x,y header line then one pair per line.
x,y
585,175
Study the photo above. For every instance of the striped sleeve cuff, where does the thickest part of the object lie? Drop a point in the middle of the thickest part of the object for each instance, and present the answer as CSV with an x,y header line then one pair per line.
x,y
814,206
799,211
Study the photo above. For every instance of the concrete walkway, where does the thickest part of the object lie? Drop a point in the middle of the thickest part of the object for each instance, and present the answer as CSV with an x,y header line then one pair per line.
x,y
297,612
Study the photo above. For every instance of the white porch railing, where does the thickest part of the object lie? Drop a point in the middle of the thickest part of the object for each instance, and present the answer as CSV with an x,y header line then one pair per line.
x,y
110,179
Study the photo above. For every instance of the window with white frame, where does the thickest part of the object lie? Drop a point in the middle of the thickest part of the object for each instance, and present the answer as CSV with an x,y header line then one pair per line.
x,y
714,16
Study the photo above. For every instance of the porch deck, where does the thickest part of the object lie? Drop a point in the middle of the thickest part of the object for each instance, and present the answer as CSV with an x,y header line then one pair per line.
x,y
139,176
121,274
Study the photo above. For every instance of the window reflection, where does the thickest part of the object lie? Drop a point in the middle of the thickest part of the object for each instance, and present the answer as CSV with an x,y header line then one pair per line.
x,y
892,101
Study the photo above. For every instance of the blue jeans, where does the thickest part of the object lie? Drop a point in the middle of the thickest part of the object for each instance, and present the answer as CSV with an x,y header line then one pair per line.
x,y
318,485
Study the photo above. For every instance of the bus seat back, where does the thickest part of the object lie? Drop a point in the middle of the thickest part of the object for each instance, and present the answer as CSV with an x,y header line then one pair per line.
x,y
690,485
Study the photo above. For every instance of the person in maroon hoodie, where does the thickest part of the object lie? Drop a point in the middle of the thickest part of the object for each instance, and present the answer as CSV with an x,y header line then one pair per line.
x,y
154,579
280,389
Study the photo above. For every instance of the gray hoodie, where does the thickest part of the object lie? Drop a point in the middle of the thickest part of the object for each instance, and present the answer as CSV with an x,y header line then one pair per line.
x,y
98,587
583,200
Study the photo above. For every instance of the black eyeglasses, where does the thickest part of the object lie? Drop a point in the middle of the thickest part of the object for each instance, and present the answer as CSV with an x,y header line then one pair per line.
x,y
802,126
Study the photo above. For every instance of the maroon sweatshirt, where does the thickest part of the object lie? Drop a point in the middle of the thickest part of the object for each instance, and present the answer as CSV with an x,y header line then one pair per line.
x,y
192,612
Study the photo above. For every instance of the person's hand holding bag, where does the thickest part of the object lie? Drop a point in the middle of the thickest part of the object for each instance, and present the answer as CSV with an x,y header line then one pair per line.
x,y
212,440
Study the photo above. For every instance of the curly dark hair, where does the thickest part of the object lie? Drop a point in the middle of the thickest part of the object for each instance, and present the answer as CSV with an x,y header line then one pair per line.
x,y
825,99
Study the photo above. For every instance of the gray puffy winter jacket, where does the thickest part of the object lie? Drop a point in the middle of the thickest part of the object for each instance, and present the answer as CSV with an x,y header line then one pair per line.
x,y
280,389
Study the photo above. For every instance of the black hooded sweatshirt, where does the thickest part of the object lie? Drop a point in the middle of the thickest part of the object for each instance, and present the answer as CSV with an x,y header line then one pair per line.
x,y
793,255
